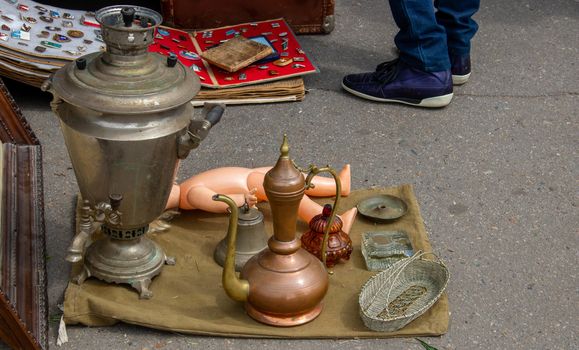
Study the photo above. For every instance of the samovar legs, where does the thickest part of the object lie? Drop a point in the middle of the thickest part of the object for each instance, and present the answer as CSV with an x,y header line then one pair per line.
x,y
134,262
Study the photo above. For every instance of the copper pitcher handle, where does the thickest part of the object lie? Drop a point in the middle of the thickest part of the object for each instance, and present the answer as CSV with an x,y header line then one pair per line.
x,y
313,171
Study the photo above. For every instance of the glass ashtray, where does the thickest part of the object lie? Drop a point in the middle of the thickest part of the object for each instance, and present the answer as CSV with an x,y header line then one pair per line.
x,y
383,248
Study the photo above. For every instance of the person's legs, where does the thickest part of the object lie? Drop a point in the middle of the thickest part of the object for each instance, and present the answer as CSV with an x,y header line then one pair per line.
x,y
421,76
421,40
456,18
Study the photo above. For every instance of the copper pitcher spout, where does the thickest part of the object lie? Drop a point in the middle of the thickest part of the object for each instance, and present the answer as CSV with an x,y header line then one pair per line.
x,y
236,288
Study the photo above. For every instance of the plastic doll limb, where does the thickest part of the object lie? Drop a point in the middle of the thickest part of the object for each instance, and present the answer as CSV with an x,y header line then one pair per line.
x,y
199,197
308,209
174,197
326,187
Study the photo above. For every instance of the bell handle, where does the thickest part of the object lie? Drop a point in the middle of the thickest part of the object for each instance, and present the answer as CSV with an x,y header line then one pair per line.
x,y
314,170
236,288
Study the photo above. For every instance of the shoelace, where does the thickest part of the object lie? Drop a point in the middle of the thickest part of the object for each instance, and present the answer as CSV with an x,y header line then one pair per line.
x,y
387,71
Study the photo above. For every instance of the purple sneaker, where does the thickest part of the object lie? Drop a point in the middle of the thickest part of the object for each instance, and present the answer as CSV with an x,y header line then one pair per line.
x,y
460,68
394,81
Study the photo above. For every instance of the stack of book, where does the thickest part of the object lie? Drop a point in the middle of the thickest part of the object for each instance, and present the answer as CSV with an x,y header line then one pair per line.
x,y
276,77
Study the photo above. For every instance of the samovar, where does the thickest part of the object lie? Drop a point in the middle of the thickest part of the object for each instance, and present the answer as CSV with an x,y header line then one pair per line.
x,y
127,121
283,285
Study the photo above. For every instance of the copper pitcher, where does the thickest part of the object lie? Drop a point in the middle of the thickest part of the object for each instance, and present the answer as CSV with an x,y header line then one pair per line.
x,y
283,285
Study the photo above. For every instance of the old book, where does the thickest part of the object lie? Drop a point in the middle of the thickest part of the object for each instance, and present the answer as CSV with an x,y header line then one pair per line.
x,y
236,53
287,90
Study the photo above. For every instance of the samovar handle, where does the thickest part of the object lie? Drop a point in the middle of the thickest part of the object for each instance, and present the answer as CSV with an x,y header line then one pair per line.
x,y
198,129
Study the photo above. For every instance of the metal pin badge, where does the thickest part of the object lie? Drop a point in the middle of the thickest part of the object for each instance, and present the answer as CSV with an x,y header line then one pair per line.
x,y
5,27
189,55
284,61
81,48
53,29
54,14
273,72
22,7
86,41
67,15
263,67
275,25
6,18
282,34
75,33
31,20
195,68
88,22
242,76
40,49
60,38
43,34
4,37
284,45
228,78
297,65
67,24
50,44
40,8
46,19
72,53
25,27
25,36
163,32
300,51
299,59
284,54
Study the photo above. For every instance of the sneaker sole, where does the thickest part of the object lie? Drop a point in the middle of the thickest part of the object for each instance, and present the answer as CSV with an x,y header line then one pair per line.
x,y
431,102
460,79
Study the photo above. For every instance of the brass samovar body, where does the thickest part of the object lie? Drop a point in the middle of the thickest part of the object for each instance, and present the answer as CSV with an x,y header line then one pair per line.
x,y
127,121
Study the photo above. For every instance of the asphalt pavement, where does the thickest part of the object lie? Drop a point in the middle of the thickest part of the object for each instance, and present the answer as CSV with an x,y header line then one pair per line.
x,y
496,174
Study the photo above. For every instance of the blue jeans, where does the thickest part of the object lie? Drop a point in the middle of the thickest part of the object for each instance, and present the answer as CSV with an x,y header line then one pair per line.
x,y
427,38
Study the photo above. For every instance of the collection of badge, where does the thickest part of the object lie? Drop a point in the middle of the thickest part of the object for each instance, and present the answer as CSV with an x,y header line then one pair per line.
x,y
57,28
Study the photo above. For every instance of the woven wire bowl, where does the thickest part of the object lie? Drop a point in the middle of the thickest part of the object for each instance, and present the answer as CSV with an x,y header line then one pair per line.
x,y
416,288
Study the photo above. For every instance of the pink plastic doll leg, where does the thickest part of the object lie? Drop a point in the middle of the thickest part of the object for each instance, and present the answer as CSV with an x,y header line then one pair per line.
x,y
326,187
308,209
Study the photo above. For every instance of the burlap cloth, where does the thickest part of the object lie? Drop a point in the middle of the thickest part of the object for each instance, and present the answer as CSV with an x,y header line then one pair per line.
x,y
189,298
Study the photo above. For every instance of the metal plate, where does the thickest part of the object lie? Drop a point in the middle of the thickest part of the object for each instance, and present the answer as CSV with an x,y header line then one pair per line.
x,y
382,208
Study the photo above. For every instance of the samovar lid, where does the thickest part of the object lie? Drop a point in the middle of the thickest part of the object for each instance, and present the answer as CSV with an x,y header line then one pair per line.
x,y
126,79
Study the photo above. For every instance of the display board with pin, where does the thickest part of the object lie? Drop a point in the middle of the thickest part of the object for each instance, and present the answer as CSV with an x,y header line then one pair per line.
x,y
288,60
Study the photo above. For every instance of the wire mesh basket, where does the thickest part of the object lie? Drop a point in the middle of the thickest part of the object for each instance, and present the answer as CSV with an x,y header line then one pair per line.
x,y
396,296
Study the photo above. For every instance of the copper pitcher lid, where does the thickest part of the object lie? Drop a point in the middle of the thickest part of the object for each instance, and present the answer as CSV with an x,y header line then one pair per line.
x,y
284,177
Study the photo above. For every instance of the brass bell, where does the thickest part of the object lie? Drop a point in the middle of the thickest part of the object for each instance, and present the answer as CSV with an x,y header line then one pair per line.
x,y
251,238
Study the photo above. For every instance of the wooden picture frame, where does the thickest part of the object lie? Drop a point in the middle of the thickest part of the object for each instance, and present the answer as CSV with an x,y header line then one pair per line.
x,y
23,291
